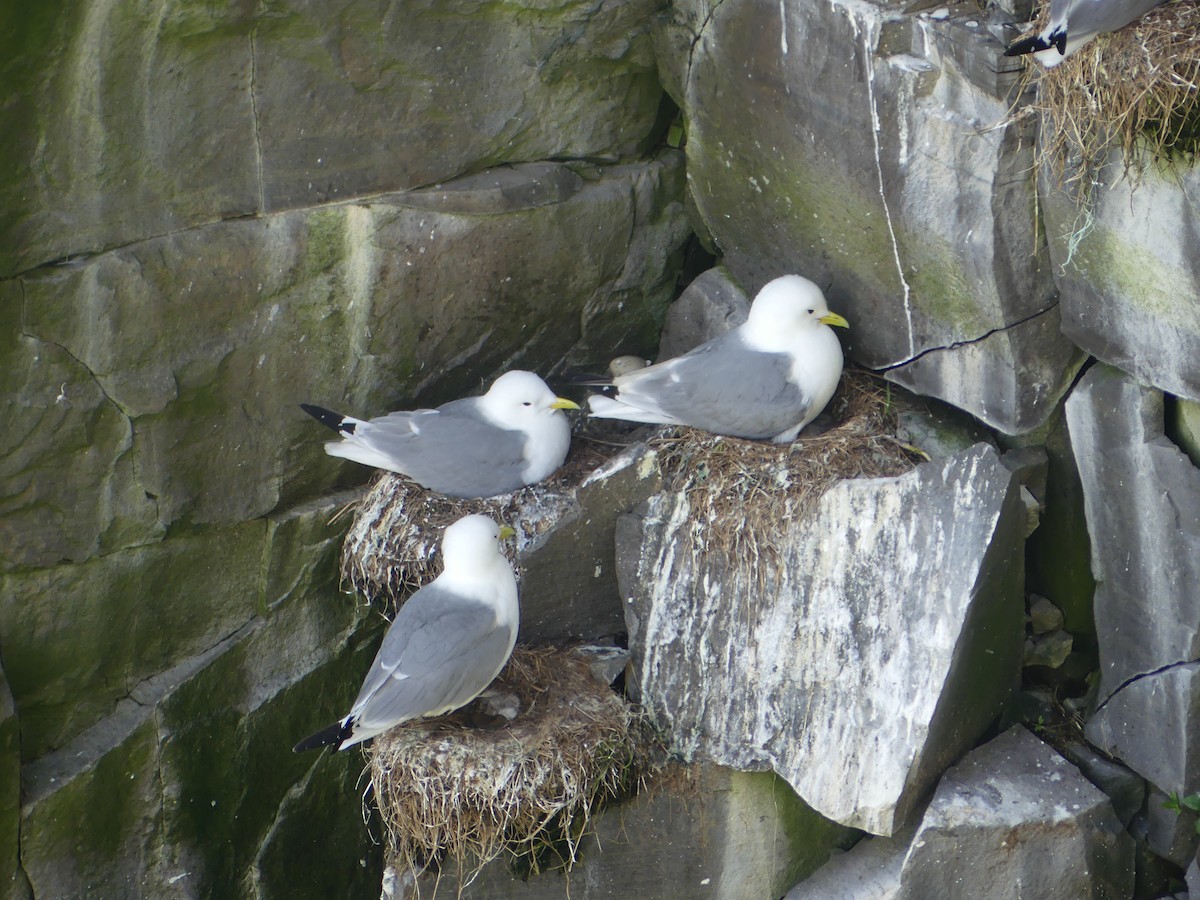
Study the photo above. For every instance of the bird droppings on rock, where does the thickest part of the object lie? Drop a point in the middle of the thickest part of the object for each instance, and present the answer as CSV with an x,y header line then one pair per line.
x,y
745,491
454,797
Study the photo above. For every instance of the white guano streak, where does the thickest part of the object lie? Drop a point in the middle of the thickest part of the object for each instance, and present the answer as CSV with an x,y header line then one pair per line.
x,y
868,34
783,26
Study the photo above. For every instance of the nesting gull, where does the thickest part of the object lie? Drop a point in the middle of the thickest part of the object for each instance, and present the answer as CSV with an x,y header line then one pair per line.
x,y
1075,22
767,378
446,644
514,435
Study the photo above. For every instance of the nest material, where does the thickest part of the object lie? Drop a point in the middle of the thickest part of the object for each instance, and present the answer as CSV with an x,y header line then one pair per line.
x,y
454,798
744,492
389,550
1136,89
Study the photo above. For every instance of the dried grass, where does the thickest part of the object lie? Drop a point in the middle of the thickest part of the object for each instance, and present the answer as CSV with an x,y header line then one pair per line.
x,y
1136,90
452,798
743,492
389,550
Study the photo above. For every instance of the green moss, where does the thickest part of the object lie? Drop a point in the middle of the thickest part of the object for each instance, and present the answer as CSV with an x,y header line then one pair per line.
x,y
1128,270
325,241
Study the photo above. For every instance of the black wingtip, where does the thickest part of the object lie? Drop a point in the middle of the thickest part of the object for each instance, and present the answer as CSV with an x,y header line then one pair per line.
x,y
328,418
333,734
579,378
1038,42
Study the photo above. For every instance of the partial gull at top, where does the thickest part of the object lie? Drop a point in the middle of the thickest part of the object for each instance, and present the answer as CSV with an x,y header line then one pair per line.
x,y
514,435
767,378
1075,22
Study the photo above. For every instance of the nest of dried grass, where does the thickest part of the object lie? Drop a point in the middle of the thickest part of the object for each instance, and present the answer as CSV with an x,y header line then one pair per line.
x,y
389,549
1137,90
744,492
453,798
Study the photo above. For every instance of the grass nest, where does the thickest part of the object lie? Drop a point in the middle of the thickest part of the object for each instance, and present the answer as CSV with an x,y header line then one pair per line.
x,y
745,492
453,798
1136,89
390,548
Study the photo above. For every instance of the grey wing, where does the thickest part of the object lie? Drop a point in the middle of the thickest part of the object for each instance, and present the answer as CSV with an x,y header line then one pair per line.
x,y
436,658
723,387
1089,17
452,449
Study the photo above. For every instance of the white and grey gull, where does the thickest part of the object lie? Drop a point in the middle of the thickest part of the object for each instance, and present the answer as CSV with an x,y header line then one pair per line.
x,y
513,436
767,378
447,643
1075,22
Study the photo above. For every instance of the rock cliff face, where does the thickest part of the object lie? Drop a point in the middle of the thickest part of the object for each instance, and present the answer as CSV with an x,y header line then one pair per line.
x,y
210,214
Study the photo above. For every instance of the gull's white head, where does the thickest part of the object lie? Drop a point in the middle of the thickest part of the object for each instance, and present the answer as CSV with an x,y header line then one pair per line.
x,y
518,399
786,306
473,542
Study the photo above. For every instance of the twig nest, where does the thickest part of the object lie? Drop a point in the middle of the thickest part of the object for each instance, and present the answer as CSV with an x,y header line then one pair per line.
x,y
389,549
743,492
455,797
1136,89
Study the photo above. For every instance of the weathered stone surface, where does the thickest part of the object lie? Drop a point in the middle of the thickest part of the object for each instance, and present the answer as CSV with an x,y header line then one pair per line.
x,y
870,652
1012,817
1142,497
859,145
1050,650
1169,833
1125,788
129,121
173,794
1125,267
124,120
870,870
13,884
702,832
174,355
1184,428
1044,616
708,307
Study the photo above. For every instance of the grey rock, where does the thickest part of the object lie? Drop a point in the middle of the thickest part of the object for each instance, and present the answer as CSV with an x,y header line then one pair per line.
x,y
700,831
1184,428
1044,616
1150,725
13,884
1031,466
860,146
1015,816
870,870
1125,788
1142,499
1050,650
130,122
780,667
936,429
182,358
607,662
1170,834
1193,877
1123,264
708,307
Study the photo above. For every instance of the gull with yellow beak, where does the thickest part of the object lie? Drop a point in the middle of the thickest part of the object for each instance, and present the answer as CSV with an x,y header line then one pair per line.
x,y
447,643
767,378
514,435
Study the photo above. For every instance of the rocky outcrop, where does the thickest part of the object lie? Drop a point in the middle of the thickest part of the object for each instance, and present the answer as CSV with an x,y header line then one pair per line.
x,y
1012,819
1125,262
870,150
872,649
1142,499
180,116
699,831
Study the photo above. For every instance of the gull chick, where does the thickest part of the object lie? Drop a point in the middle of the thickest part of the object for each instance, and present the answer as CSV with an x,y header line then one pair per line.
x,y
1075,22
767,378
447,643
514,435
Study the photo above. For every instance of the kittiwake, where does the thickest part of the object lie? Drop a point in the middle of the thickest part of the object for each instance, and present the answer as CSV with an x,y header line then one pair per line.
x,y
767,378
1075,22
514,435
447,643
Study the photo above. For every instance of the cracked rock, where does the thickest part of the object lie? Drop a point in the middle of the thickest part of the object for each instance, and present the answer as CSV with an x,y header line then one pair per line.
x,y
708,307
874,647
1142,501
1127,269
858,145
1012,819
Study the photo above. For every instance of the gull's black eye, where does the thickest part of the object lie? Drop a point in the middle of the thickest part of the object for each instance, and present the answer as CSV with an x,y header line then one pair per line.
x,y
811,311
527,403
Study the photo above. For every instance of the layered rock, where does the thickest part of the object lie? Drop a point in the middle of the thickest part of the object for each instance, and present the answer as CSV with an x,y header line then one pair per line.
x,y
872,649
1012,819
1125,263
179,116
1142,497
871,151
